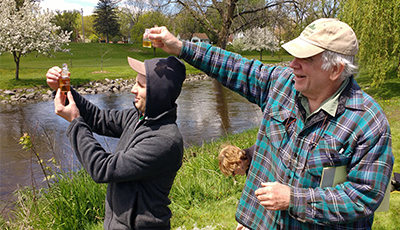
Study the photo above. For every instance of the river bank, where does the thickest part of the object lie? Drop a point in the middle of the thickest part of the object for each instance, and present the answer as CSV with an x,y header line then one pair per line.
x,y
43,93
25,95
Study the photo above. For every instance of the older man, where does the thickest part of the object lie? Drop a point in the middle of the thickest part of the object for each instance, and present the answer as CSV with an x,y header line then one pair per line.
x,y
315,117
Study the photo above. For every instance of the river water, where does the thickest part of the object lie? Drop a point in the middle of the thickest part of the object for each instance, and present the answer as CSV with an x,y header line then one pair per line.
x,y
206,111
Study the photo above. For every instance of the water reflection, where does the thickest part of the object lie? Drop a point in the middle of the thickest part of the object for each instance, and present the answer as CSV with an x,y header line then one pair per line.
x,y
206,111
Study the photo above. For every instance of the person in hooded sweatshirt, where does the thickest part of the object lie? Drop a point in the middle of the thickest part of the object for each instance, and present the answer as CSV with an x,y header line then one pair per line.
x,y
141,171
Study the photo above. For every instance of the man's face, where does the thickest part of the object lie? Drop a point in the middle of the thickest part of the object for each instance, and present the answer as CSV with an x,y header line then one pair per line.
x,y
139,89
310,79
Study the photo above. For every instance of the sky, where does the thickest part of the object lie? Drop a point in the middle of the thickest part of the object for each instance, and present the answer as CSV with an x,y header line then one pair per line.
x,y
87,5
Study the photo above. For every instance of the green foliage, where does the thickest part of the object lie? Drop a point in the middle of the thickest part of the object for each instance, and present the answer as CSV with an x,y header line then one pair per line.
x,y
90,32
73,202
137,32
200,186
377,26
93,38
67,21
27,144
184,23
390,220
106,21
148,20
126,23
116,39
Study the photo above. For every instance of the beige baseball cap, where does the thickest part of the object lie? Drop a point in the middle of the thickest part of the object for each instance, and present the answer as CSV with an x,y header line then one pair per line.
x,y
136,65
324,34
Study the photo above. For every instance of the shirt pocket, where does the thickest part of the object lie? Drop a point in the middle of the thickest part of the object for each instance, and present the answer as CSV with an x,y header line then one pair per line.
x,y
329,152
275,127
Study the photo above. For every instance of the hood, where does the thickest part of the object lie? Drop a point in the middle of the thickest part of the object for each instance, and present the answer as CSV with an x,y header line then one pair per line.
x,y
164,79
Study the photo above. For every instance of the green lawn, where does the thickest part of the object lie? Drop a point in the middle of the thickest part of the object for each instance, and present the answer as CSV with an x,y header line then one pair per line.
x,y
85,63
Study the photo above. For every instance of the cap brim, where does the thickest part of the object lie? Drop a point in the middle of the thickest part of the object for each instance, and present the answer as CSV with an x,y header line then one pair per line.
x,y
136,65
301,49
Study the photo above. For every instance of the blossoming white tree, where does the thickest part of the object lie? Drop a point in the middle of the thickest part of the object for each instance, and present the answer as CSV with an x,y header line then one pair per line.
x,y
29,30
258,39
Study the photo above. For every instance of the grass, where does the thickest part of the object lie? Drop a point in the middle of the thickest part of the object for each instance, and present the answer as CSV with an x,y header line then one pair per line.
x,y
202,198
74,201
85,63
201,195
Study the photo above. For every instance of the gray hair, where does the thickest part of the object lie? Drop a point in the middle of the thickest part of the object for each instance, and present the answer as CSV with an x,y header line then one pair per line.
x,y
331,59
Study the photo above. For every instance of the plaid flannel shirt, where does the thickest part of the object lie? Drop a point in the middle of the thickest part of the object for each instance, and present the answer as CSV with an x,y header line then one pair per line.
x,y
294,153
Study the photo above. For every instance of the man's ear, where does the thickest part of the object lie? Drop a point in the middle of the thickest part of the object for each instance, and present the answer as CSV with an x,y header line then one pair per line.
x,y
336,71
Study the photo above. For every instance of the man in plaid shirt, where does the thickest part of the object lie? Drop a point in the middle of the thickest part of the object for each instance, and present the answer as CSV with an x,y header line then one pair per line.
x,y
315,117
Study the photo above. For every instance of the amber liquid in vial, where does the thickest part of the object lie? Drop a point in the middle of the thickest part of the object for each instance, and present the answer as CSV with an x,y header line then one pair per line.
x,y
147,44
65,84
146,40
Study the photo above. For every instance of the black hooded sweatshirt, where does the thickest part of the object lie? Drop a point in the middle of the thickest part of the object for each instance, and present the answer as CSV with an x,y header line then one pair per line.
x,y
148,155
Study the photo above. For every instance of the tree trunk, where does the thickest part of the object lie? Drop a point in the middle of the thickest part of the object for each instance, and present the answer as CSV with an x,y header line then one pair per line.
x,y
260,55
227,19
17,58
222,38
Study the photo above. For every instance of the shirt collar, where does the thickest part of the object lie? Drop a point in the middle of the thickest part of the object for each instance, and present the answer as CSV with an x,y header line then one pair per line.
x,y
330,105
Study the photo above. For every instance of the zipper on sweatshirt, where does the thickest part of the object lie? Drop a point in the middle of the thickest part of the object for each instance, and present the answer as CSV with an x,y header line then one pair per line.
x,y
142,119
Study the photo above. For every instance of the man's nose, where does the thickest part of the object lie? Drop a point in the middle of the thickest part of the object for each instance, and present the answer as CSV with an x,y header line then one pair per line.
x,y
294,63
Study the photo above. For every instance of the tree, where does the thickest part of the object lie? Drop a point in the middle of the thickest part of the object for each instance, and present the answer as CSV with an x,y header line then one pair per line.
x,y
106,21
377,26
27,30
259,39
148,20
229,12
19,3
67,21
126,24
238,42
129,15
102,54
90,32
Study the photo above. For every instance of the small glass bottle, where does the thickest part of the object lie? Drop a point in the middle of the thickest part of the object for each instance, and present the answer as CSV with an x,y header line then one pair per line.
x,y
65,84
146,40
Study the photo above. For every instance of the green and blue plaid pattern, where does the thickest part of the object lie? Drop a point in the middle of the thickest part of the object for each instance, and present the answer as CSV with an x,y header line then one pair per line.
x,y
294,153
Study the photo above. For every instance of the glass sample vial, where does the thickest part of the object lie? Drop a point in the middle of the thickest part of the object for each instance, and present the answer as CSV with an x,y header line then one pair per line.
x,y
146,40
65,84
